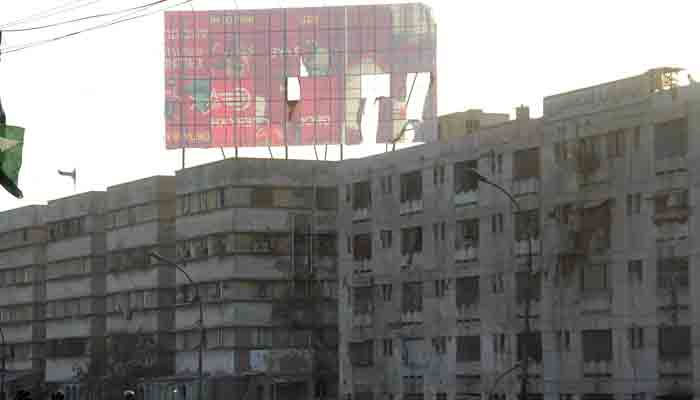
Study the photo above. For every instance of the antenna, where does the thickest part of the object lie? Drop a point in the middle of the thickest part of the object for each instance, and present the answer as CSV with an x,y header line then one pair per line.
x,y
72,175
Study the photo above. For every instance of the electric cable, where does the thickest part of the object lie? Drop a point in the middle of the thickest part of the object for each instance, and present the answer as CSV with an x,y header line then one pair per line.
x,y
104,25
107,14
47,13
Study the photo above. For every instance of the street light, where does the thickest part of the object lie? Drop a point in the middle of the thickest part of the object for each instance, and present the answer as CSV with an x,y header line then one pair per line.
x,y
202,338
4,370
524,379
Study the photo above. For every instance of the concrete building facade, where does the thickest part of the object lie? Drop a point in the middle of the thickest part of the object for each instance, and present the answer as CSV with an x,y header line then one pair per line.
x,y
434,263
458,124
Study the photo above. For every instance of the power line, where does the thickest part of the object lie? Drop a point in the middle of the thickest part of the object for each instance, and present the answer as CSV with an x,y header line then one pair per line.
x,y
105,25
107,14
48,13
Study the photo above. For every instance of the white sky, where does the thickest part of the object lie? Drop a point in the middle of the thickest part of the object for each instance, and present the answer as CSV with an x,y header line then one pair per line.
x,y
95,101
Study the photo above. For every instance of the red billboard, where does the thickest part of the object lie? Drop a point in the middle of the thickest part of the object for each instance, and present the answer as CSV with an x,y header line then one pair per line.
x,y
227,74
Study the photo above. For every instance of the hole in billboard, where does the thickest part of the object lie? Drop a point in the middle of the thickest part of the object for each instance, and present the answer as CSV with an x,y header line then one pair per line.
x,y
372,88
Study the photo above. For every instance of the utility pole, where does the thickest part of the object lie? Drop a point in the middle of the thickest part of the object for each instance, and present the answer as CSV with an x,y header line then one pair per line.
x,y
4,369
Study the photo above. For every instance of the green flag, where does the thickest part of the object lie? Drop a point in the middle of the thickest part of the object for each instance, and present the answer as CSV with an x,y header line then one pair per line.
x,y
11,143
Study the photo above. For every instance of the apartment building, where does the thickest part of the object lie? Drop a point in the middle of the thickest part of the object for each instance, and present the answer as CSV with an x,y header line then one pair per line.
x,y
140,291
74,287
257,236
434,263
22,257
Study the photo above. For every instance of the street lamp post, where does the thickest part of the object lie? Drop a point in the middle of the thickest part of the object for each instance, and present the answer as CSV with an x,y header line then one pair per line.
x,y
4,370
200,370
524,378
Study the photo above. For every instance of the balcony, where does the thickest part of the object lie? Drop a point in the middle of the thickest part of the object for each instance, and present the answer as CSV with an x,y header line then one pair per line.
x,y
412,317
360,214
361,267
466,253
467,198
468,312
670,165
675,366
603,368
362,320
673,230
522,248
526,186
411,206
411,259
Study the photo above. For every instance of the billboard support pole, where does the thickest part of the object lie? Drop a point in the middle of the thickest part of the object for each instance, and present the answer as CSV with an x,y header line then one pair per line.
x,y
183,158
345,78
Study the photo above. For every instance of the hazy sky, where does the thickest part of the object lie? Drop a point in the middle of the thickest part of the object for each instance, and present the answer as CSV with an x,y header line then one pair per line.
x,y
95,101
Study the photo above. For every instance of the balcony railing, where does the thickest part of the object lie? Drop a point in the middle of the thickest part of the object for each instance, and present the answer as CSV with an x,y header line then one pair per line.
x,y
412,317
411,206
362,320
466,253
360,214
526,186
466,198
597,368
522,248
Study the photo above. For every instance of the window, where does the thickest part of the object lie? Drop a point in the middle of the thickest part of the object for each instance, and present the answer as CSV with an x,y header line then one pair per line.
x,y
348,193
669,201
634,203
327,198
674,342
530,345
363,300
386,239
263,197
386,292
411,240
411,186
361,195
671,139
467,233
468,348
497,223
440,344
497,282
412,297
527,225
672,273
66,229
525,286
441,287
465,179
597,345
438,175
388,347
499,343
362,247
438,231
616,143
564,341
467,292
526,164
440,396
472,125
361,353
637,137
594,277
635,336
634,270
499,163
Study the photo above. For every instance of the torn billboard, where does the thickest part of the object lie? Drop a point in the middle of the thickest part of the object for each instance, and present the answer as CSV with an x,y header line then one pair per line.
x,y
300,76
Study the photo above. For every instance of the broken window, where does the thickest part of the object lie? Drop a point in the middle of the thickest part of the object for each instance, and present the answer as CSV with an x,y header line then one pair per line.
x,y
634,271
526,164
363,300
634,203
671,139
527,224
594,277
263,198
412,297
616,143
469,348
467,233
327,198
464,177
411,240
530,345
674,342
467,292
671,205
411,186
362,247
361,353
525,286
597,345
635,336
361,195
672,273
